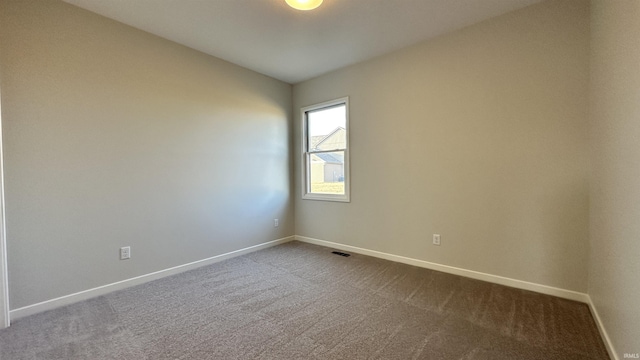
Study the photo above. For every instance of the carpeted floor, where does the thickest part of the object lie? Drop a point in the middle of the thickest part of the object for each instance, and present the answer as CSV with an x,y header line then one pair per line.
x,y
299,301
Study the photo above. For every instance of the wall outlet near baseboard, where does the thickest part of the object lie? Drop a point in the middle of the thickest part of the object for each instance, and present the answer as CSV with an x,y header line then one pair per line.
x,y
276,222
125,253
436,239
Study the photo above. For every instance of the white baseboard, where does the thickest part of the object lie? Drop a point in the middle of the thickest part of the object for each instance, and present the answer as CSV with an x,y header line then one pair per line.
x,y
105,289
603,332
525,285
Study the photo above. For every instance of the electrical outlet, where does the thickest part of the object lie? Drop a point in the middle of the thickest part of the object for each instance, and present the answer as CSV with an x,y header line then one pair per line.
x,y
436,239
276,222
125,253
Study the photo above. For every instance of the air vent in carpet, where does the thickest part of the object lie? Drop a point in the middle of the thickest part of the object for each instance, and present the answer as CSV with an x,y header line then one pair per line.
x,y
341,253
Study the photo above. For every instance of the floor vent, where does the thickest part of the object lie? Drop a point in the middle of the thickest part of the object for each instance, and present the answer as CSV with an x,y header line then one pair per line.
x,y
341,253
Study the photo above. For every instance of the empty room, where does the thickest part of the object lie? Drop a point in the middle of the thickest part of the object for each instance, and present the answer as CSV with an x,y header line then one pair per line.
x,y
319,179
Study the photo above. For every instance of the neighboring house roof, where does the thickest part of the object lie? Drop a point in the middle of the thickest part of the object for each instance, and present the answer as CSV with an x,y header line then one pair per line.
x,y
315,140
328,158
336,139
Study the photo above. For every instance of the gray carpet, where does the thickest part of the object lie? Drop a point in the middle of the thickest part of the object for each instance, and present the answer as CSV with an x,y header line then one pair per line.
x,y
299,301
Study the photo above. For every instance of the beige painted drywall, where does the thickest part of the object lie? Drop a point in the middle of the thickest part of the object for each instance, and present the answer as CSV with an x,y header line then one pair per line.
x,y
481,136
115,137
614,272
4,283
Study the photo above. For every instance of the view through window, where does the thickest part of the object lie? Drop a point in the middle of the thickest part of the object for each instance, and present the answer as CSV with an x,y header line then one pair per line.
x,y
326,151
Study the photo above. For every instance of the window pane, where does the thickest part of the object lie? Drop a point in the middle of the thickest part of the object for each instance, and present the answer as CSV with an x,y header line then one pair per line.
x,y
326,128
326,173
325,141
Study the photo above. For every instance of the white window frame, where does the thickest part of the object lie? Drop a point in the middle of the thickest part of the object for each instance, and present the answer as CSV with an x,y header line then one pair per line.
x,y
306,154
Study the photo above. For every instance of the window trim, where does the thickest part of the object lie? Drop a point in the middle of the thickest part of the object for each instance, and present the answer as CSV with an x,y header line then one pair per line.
x,y
306,155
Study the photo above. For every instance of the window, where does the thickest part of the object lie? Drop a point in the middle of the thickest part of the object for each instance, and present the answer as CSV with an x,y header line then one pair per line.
x,y
326,151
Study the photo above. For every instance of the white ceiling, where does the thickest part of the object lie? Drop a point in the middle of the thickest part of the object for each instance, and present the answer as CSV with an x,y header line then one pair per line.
x,y
269,37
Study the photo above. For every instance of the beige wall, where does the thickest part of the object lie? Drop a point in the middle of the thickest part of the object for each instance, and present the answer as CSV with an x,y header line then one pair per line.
x,y
614,276
115,137
483,136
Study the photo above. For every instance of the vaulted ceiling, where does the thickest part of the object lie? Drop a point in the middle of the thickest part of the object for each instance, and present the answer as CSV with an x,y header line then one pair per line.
x,y
269,37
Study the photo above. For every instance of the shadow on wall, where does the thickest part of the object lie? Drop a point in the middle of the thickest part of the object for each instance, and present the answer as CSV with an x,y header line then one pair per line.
x,y
565,221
